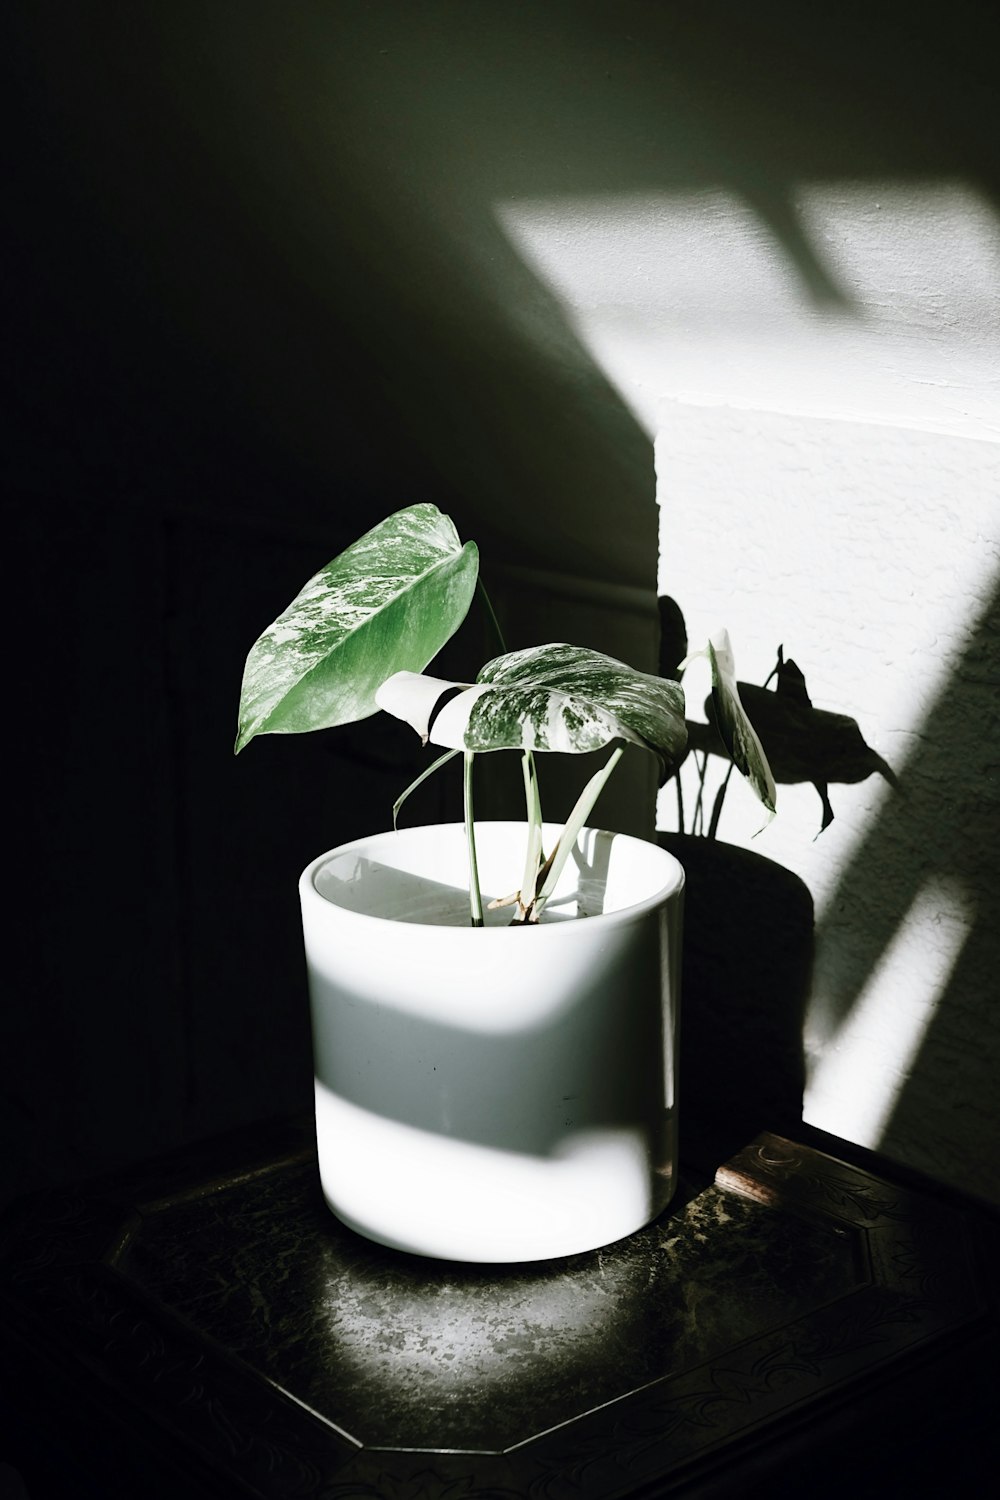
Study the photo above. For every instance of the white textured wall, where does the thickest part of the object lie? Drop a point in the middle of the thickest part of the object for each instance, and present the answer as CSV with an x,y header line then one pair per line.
x,y
890,317
828,459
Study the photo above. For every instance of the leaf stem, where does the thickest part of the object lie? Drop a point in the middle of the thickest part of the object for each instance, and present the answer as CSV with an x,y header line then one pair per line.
x,y
720,797
552,869
533,855
475,898
698,817
441,760
491,615
532,803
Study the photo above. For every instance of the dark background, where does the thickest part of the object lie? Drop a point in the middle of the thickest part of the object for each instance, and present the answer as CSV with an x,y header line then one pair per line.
x,y
255,298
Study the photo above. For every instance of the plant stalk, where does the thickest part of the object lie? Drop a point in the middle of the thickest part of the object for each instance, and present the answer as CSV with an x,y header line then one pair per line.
x,y
549,874
720,797
475,897
491,615
534,857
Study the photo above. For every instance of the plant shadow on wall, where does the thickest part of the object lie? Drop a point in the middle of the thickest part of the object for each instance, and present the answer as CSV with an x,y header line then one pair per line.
x,y
749,922
758,981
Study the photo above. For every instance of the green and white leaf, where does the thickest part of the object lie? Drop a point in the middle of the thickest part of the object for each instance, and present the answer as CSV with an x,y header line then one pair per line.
x,y
554,697
386,604
567,698
738,734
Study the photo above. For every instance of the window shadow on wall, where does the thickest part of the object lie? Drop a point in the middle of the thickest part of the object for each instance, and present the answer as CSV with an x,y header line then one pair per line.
x,y
939,833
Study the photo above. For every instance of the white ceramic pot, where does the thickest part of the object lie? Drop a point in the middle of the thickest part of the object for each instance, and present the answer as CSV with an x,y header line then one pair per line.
x,y
503,1093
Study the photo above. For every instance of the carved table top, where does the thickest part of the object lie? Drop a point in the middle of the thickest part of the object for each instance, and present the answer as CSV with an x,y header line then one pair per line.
x,y
250,1334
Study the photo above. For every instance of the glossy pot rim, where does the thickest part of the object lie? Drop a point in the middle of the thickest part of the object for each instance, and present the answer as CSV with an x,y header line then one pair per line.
x,y
671,888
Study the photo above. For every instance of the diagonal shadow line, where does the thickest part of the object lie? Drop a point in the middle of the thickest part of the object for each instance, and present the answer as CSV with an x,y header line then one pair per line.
x,y
775,208
957,836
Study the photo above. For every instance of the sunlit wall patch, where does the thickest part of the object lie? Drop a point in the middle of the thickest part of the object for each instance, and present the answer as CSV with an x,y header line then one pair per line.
x,y
820,373
860,1075
862,301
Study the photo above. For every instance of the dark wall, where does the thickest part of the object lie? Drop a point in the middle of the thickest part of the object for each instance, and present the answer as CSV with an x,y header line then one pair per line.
x,y
238,336
256,296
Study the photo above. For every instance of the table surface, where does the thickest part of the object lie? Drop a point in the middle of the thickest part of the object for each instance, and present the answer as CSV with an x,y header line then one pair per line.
x,y
214,1311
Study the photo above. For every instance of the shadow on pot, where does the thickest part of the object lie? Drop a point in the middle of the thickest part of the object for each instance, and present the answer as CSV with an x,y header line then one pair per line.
x,y
747,963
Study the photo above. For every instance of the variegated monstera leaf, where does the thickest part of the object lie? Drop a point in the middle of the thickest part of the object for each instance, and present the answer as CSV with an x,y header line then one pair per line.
x,y
386,604
553,697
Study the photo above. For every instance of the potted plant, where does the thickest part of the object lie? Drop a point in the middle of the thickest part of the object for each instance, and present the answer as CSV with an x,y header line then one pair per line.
x,y
494,1006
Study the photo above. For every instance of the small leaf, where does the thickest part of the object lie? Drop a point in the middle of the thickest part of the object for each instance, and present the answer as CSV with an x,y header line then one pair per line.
x,y
386,604
738,734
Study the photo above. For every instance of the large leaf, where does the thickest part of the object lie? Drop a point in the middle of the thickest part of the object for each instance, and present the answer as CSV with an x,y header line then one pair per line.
x,y
387,604
554,697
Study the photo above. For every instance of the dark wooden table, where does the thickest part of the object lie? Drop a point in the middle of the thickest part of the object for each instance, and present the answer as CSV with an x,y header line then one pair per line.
x,y
205,1328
